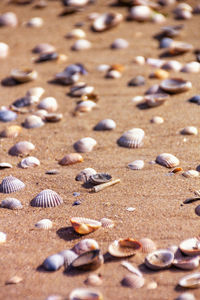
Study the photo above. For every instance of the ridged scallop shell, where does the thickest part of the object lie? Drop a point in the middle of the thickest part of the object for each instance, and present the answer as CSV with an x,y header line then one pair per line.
x,y
44,224
43,48
84,225
29,162
47,198
85,294
85,174
85,245
107,223
124,247
53,262
4,50
159,259
132,138
106,21
120,44
7,115
3,237
157,120
189,130
167,160
35,91
93,280
11,203
49,104
106,124
8,19
190,174
175,85
11,131
191,67
190,246
133,281
136,165
69,256
35,22
156,99
85,145
25,75
190,281
81,44
147,245
21,148
76,33
186,296
71,159
186,263
11,184
90,260
99,178
85,106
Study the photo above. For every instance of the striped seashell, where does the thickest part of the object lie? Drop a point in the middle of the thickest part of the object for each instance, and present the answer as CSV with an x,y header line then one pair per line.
x,y
44,224
81,44
93,280
29,162
186,263
159,259
167,160
85,145
132,138
85,106
147,245
35,22
120,44
131,268
11,131
3,237
136,165
141,13
107,223
5,165
124,247
69,256
4,50
175,85
33,122
157,120
23,76
85,174
21,148
106,124
53,262
190,174
189,130
14,280
84,225
190,246
35,91
11,203
49,103
53,117
133,281
85,294
76,33
85,245
8,19
190,281
7,115
11,184
106,21
186,296
43,48
71,159
90,260
47,198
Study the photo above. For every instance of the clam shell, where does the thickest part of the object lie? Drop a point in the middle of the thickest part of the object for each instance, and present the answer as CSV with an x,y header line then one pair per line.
x,y
85,294
106,124
85,174
11,131
133,281
11,203
85,106
124,247
85,245
29,162
81,88
179,47
190,281
189,130
155,100
14,280
191,67
3,237
167,160
107,223
43,48
173,65
120,44
44,224
106,21
71,159
186,296
137,81
21,148
11,184
81,44
99,178
132,138
35,22
84,225
35,91
85,145
53,262
113,74
33,122
147,245
195,99
5,165
69,257
8,19
93,280
76,33
190,173
190,246
186,263
159,259
4,50
136,165
140,13
47,198
7,115
49,103
157,120
90,260
25,75
53,117
175,85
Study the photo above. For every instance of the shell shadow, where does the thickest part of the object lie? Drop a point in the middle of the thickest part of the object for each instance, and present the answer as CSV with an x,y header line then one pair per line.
x,y
142,106
68,233
9,81
56,82
87,185
167,54
71,272
179,288
109,258
41,269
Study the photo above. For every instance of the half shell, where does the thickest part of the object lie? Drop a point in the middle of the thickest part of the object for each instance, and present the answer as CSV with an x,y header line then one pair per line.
x,y
85,145
99,178
190,281
85,294
7,115
25,75
29,162
189,130
155,100
21,149
186,263
84,225
132,138
124,247
33,122
49,104
147,245
190,174
91,260
133,281
11,184
11,131
159,259
190,246
167,160
11,203
71,159
175,85
47,198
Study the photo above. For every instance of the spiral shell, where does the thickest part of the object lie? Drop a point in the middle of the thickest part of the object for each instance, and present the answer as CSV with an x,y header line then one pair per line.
x,y
11,184
21,148
47,198
11,203
85,245
133,281
84,225
124,247
71,159
85,145
44,224
132,138
167,160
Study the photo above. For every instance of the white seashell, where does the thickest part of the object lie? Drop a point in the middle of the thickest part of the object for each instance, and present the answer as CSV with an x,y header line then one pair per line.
x,y
106,124
120,44
76,3
159,259
21,148
84,225
85,245
33,122
156,99
29,162
85,145
5,165
53,262
81,44
25,75
91,260
136,165
8,19
132,138
167,160
4,50
124,247
93,280
49,104
137,99
190,281
47,198
71,159
186,296
190,173
107,223
42,113
157,120
175,85
92,16
85,294
69,257
11,184
158,18
147,245
133,281
186,263
11,203
131,268
107,21
113,74
35,91
44,224
190,246
192,67
14,280
152,285
85,174
3,237
44,48
76,33
54,297
141,13
155,62
140,60
81,88
103,68
85,106
173,65
35,22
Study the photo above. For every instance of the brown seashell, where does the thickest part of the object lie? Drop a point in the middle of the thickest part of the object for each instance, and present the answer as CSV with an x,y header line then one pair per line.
x,y
124,247
159,259
160,74
21,148
11,131
85,145
133,281
47,198
90,96
11,184
53,117
155,100
190,246
71,159
93,280
84,225
177,170
85,245
85,294
190,281
147,245
132,138
90,260
167,160
107,223
175,85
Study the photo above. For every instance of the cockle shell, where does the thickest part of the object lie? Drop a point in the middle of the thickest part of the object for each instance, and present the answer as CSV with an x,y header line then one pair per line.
x,y
43,48
85,174
8,19
190,246
85,294
186,296
191,67
120,44
85,245
35,91
159,259
132,138
11,203
133,281
190,281
84,225
155,100
3,237
157,120
99,178
175,85
189,130
90,260
106,124
136,165
35,22
25,75
11,184
33,122
44,224
4,50
21,148
29,162
11,131
85,145
53,262
81,44
167,160
147,245
190,173
69,256
186,263
107,223
93,280
76,33
107,21
47,198
49,104
124,247
7,115
71,159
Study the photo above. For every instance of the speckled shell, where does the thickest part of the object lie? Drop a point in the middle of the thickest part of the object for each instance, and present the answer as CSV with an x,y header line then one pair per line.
x,y
132,138
11,131
85,245
106,124
11,184
175,85
124,247
190,246
33,122
44,224
11,203
69,257
29,162
85,294
8,19
25,75
186,263
84,225
81,44
21,149
189,130
136,165
85,174
85,145
47,198
3,237
53,262
71,159
107,223
93,280
147,245
190,281
49,104
90,260
159,259
190,174
133,281
106,21
7,115
167,160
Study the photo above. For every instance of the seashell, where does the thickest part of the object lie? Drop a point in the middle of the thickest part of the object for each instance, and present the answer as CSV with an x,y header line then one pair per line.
x,y
183,13
53,117
140,60
4,50
154,89
90,260
85,174
133,281
107,223
175,85
54,297
44,224
29,162
165,42
107,21
11,131
21,148
190,281
136,165
157,120
186,296
106,124
11,184
159,259
155,100
84,225
3,237
154,62
49,104
5,165
52,172
85,245
160,74
11,203
189,130
152,285
75,3
71,74
76,33
191,67
147,245
35,91
81,44
69,256
71,159
197,210
113,74
179,48
85,294
137,81
172,31
43,48
25,75
195,99
85,106
7,115
172,65
24,101
42,113
85,145
120,44
131,268
190,246
132,138
124,247
53,262
90,96
190,173
14,280
47,198
35,22
167,160
99,178
8,19
137,99
186,263
103,68
81,88
177,170
33,122
141,13
158,18
93,280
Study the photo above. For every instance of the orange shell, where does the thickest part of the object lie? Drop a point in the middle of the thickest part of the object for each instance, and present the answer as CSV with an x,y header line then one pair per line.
x,y
84,225
71,159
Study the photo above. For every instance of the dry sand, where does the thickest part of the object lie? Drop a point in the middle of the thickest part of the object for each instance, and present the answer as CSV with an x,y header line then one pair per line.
x,y
156,196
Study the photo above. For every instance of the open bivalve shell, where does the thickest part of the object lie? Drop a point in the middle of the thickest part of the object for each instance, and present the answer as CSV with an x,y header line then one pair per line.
x,y
85,145
23,76
106,21
159,259
167,160
11,203
44,224
90,260
85,174
85,294
132,138
99,178
124,247
85,245
191,246
155,100
186,263
21,148
47,198
133,281
84,225
11,184
190,281
71,159
29,162
175,85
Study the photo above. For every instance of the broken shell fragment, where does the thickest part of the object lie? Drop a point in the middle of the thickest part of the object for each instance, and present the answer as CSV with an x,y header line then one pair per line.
x,y
175,85
90,260
71,159
99,178
136,165
93,280
189,130
11,184
84,225
33,122
190,281
133,281
11,203
132,138
147,245
106,124
49,104
21,149
85,145
29,162
124,247
25,75
190,174
44,224
107,21
186,263
85,245
167,160
53,262
11,131
47,198
190,246
107,223
159,259
85,174
85,294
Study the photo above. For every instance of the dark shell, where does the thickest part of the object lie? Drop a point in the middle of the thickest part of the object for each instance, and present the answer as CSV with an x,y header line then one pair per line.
x,y
172,31
22,102
137,81
99,178
47,56
90,260
11,184
195,99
